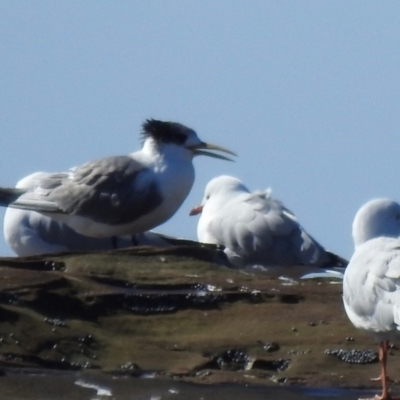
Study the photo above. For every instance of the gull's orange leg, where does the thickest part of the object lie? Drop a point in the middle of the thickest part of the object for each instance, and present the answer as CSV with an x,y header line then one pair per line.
x,y
385,345
383,349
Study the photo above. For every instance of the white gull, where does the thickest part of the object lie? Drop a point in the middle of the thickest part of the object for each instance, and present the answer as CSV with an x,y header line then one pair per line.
x,y
256,229
371,284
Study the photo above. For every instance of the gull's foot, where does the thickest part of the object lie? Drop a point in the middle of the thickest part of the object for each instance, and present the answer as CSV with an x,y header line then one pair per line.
x,y
379,378
381,397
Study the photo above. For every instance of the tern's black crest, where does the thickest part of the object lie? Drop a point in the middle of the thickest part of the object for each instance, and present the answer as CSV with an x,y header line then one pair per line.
x,y
166,132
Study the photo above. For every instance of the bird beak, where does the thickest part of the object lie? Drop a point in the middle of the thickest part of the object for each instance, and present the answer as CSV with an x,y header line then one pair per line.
x,y
200,150
196,210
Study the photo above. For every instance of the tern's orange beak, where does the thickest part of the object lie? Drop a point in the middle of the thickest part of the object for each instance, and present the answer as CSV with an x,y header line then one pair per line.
x,y
196,210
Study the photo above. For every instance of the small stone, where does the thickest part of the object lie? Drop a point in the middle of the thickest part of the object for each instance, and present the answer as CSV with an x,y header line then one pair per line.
x,y
270,347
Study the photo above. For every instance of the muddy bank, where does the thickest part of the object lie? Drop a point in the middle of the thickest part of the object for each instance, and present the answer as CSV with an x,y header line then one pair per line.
x,y
178,313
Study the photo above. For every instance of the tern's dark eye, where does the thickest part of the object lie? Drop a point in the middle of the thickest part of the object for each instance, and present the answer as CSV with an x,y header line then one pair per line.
x,y
178,138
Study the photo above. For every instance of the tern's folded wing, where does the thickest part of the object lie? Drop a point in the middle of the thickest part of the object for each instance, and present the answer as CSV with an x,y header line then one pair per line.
x,y
113,190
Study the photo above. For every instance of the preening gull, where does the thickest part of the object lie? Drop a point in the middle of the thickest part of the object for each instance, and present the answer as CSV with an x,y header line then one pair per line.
x,y
121,195
30,233
371,284
378,217
256,229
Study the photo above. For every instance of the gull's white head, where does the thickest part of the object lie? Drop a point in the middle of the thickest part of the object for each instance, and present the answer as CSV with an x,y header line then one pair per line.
x,y
219,191
178,137
379,217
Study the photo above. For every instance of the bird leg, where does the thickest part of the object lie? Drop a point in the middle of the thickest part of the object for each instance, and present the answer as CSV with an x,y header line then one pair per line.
x,y
385,344
383,349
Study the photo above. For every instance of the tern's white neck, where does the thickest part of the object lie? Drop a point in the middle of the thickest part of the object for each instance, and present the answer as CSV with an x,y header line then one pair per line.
x,y
173,171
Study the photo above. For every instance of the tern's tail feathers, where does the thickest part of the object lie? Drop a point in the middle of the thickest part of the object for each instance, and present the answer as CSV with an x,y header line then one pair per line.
x,y
12,197
9,195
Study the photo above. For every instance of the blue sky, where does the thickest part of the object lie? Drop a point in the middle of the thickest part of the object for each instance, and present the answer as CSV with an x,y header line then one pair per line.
x,y
307,93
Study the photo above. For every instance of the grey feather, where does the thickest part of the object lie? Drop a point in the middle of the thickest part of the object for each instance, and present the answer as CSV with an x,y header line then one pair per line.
x,y
94,189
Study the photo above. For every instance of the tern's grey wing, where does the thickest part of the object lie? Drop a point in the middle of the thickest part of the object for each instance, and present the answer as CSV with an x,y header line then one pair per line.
x,y
32,193
111,190
114,190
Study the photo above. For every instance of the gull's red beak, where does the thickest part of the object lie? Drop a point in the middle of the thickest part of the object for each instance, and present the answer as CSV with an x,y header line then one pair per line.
x,y
196,210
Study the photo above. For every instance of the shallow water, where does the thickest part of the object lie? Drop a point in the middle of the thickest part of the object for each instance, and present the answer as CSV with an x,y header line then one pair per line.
x,y
77,386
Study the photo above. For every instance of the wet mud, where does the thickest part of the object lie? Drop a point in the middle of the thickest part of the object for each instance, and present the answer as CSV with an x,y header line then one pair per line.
x,y
178,314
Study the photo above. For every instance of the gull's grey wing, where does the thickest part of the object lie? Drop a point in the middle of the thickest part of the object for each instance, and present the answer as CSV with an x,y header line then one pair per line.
x,y
110,190
247,224
371,285
291,242
264,232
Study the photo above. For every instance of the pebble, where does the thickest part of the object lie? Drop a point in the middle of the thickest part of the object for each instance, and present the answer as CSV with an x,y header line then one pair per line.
x,y
269,347
299,352
55,322
354,356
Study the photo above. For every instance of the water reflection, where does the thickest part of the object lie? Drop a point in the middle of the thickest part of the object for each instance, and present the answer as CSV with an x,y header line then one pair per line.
x,y
83,386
